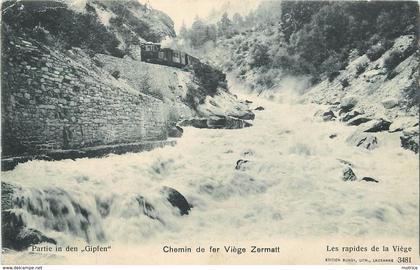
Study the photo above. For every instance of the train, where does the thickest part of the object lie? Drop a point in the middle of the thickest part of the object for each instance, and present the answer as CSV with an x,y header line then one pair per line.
x,y
153,53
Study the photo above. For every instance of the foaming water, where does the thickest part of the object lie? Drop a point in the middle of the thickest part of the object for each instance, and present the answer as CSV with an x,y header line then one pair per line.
x,y
288,184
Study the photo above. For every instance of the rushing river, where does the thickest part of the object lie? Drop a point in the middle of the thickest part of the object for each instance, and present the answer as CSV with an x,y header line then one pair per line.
x,y
289,185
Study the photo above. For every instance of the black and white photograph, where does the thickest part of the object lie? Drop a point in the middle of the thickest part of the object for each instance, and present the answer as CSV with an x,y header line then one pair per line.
x,y
138,132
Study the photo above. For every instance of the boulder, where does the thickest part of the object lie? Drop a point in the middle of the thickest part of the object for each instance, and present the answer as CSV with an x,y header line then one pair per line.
x,y
233,123
369,179
260,108
348,103
240,164
194,122
410,139
332,136
244,115
348,174
376,125
401,123
328,116
390,103
360,119
325,115
177,200
216,122
175,132
363,139
15,234
347,116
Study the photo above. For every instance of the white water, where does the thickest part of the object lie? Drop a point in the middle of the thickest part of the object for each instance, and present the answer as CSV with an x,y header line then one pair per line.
x,y
291,186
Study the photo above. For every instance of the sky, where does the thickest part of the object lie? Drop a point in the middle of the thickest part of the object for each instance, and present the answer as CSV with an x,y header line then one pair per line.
x,y
186,10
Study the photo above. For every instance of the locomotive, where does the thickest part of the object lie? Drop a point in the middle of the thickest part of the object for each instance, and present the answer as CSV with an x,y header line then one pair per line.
x,y
153,53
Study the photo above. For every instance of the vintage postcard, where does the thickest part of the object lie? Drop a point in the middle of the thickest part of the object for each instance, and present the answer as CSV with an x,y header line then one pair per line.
x,y
143,132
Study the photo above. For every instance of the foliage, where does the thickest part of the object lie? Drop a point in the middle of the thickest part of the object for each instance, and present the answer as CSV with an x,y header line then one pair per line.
x,y
360,68
259,55
209,77
224,26
345,83
200,33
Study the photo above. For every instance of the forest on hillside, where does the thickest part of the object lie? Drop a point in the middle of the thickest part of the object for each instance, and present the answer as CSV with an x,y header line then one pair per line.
x,y
316,38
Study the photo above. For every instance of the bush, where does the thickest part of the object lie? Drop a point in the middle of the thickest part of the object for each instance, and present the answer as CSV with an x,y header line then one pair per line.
x,y
345,83
55,24
116,74
259,55
376,51
193,97
360,68
209,77
332,66
267,79
393,60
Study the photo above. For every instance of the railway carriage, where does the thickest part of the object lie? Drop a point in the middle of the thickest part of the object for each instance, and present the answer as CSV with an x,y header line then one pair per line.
x,y
149,51
153,53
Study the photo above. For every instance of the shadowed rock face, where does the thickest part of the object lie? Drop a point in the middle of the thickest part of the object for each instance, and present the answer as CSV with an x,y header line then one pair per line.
x,y
16,236
377,125
370,179
177,200
175,132
216,122
358,120
410,140
57,209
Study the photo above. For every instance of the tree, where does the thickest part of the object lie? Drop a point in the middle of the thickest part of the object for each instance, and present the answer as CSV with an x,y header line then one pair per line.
x,y
224,26
183,32
238,21
198,32
259,55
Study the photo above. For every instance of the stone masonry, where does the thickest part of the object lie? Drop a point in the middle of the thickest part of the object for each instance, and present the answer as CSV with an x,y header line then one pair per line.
x,y
49,101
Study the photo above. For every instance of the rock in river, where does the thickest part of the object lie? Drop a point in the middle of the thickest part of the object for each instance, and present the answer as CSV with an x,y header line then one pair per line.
x,y
240,164
369,179
194,122
175,132
348,174
376,125
410,139
363,139
177,200
358,120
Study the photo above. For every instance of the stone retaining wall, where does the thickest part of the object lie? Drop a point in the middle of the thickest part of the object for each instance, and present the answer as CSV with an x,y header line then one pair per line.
x,y
50,101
